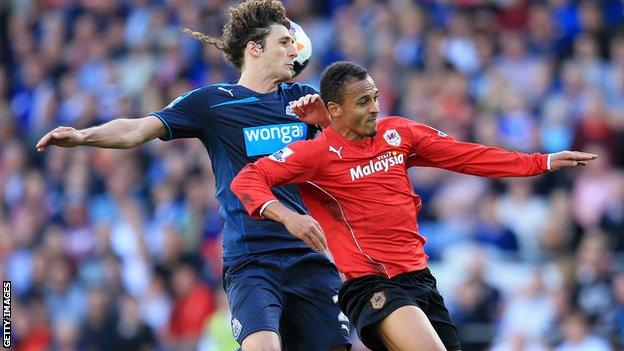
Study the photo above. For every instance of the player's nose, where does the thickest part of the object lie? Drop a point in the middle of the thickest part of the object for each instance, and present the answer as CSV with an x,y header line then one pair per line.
x,y
292,51
374,108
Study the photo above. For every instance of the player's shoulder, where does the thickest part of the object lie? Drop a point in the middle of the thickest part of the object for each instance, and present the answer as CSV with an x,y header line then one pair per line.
x,y
309,146
204,89
312,144
298,89
190,98
301,149
402,126
226,94
416,129
222,88
394,122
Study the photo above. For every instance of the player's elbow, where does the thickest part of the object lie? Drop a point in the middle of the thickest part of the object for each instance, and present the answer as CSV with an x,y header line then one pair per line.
x,y
242,191
142,130
238,183
235,186
235,190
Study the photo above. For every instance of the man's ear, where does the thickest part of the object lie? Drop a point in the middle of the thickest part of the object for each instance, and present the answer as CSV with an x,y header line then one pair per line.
x,y
334,109
253,48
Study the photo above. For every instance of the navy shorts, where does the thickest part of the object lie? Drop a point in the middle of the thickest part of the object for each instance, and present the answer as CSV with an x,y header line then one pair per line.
x,y
293,293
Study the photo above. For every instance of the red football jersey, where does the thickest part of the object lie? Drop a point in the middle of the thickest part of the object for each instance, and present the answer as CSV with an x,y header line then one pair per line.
x,y
359,191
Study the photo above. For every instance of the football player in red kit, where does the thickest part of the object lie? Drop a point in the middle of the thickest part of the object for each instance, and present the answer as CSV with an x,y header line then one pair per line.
x,y
354,182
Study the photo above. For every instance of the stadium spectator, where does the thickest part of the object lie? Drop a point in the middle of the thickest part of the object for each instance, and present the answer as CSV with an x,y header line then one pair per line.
x,y
577,336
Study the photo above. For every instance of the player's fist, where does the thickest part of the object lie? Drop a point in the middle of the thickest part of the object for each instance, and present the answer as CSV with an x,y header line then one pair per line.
x,y
311,110
569,159
61,136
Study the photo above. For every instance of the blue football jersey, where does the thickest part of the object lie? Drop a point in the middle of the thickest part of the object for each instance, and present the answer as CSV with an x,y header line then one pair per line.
x,y
237,126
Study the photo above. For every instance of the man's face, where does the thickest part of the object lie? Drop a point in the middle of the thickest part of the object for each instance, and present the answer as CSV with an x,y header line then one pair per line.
x,y
360,107
278,53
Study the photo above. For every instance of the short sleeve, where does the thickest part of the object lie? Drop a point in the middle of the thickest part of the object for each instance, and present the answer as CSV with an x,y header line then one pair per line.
x,y
184,117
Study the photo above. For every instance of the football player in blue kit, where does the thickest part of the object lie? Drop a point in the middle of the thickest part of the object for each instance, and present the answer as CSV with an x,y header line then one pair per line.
x,y
281,292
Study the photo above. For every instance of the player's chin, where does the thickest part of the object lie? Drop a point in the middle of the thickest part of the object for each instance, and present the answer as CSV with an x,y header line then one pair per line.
x,y
371,123
372,131
289,73
286,77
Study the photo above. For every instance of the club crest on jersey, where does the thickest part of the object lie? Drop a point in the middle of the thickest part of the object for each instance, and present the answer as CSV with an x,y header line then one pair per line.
x,y
289,109
378,300
392,137
282,155
236,328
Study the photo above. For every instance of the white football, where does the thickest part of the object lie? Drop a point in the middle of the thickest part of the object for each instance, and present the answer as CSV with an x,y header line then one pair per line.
x,y
303,45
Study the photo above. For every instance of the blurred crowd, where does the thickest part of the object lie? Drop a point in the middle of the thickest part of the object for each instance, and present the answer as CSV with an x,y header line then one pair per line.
x,y
121,249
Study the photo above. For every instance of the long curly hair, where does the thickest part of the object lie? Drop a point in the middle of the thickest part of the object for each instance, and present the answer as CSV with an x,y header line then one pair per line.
x,y
249,21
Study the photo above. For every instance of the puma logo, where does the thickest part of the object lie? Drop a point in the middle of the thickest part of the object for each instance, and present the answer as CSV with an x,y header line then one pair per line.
x,y
226,90
336,151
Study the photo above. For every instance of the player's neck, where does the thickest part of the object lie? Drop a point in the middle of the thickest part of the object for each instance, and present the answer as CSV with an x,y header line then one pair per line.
x,y
347,132
257,82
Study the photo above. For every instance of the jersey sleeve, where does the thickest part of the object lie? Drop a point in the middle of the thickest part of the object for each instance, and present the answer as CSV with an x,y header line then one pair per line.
x,y
184,117
432,148
293,164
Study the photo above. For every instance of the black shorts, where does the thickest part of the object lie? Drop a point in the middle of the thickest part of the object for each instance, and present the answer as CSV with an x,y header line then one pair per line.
x,y
369,299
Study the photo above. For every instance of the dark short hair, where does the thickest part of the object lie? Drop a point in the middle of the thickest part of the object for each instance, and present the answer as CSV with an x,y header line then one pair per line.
x,y
336,76
249,21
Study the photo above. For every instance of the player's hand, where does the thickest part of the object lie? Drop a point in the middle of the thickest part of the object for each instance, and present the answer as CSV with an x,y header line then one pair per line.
x,y
307,229
61,136
569,159
311,110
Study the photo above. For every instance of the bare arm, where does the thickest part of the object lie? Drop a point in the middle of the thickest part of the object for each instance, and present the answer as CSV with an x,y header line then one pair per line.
x,y
120,133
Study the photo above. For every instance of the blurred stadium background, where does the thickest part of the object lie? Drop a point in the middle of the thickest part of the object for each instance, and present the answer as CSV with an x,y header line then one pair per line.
x,y
120,250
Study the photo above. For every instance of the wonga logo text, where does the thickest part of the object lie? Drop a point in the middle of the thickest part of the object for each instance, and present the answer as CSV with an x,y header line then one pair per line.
x,y
266,140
